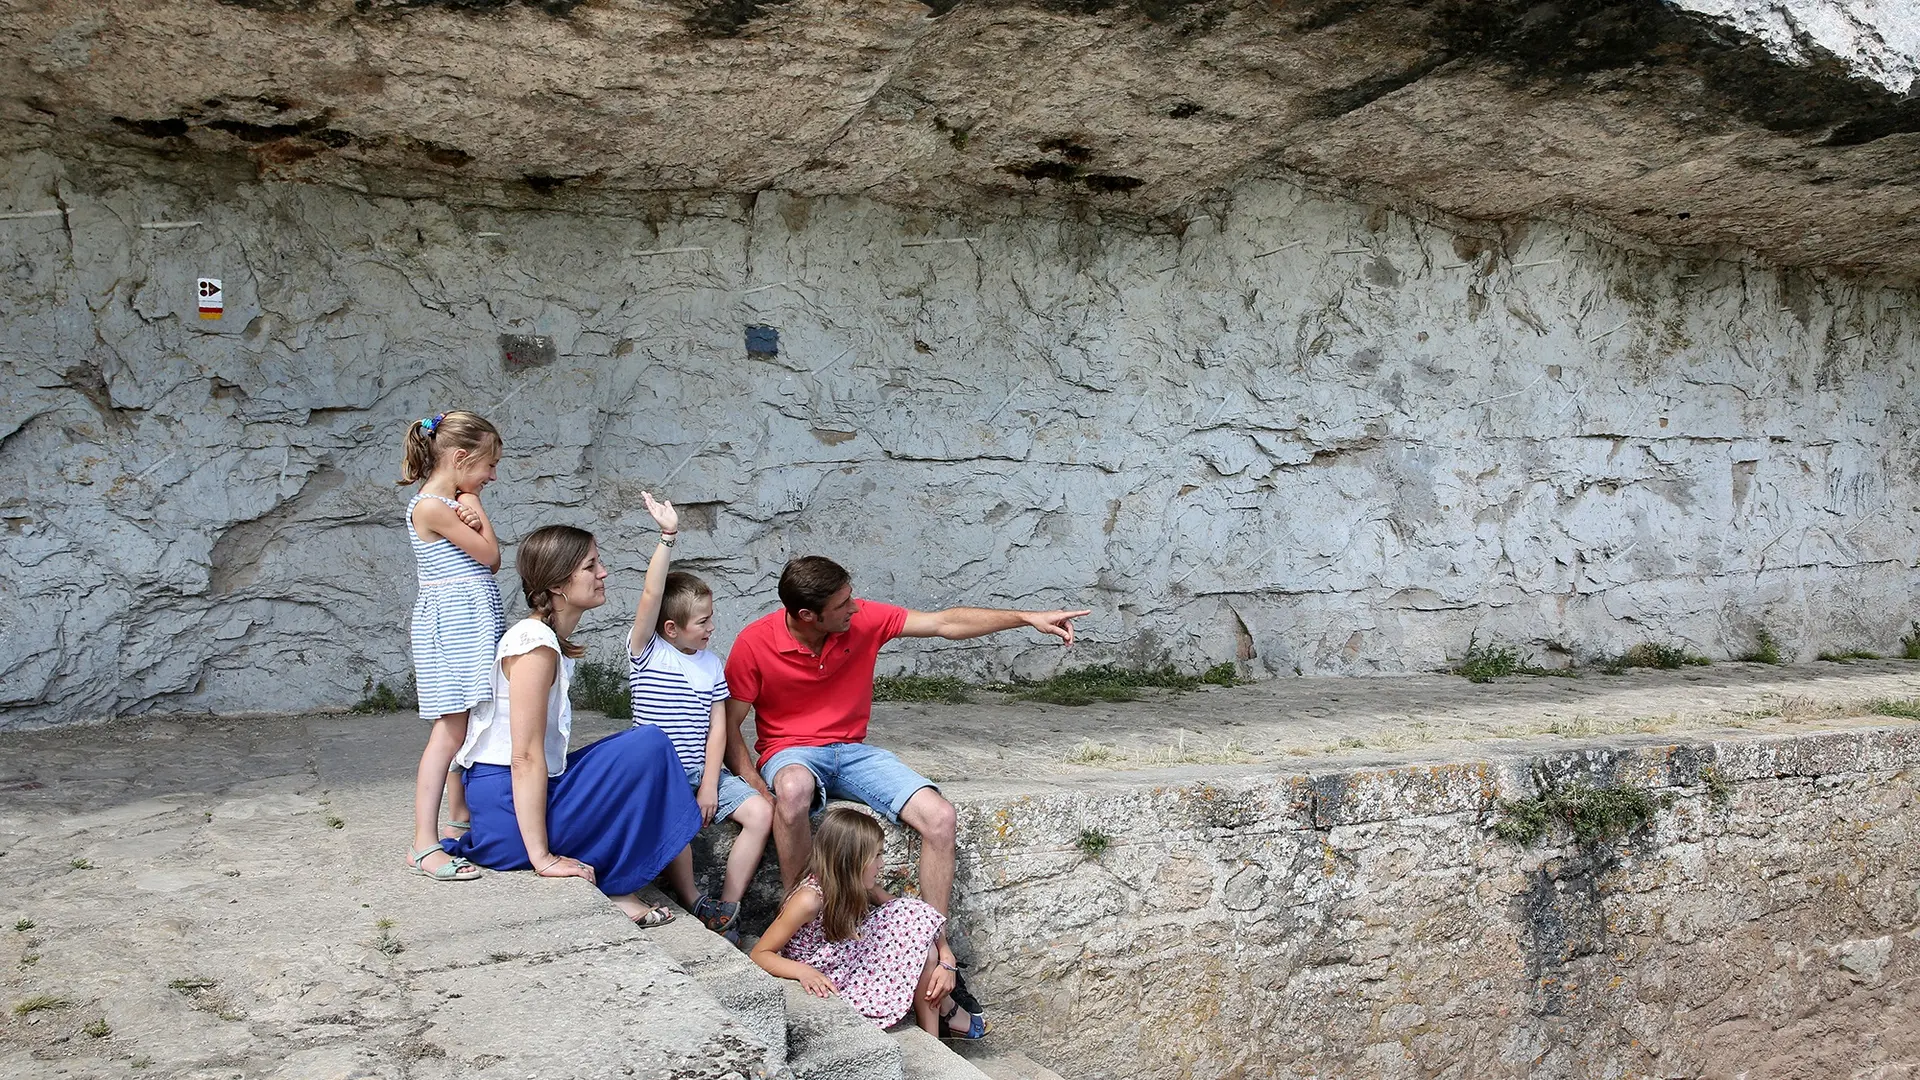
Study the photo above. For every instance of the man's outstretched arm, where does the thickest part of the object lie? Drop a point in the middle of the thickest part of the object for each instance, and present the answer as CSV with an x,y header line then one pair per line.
x,y
961,623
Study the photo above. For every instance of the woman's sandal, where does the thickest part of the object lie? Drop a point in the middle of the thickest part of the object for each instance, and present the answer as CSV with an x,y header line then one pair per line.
x,y
454,869
454,830
657,916
976,1025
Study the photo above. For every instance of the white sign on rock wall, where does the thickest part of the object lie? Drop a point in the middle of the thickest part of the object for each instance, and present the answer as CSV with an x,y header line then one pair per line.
x,y
213,299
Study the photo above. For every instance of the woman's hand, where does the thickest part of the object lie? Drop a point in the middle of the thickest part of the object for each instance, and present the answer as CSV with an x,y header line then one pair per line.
x,y
664,515
813,982
563,866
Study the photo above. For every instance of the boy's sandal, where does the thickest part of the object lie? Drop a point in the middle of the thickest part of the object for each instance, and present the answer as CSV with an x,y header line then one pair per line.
x,y
454,869
976,1025
658,916
718,916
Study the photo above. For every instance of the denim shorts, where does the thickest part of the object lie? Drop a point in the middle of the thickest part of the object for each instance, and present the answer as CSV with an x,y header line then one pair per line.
x,y
852,771
733,792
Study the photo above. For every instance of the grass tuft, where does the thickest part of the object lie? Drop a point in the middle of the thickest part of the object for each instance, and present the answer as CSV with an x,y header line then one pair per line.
x,y
602,686
1719,788
1593,815
24,925
942,688
192,986
1848,656
1224,673
1654,654
81,864
1904,708
1910,644
1765,649
38,1002
1093,843
1496,660
1102,682
97,1029
381,698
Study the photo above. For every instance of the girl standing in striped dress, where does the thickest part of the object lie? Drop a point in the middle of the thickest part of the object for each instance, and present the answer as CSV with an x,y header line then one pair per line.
x,y
457,619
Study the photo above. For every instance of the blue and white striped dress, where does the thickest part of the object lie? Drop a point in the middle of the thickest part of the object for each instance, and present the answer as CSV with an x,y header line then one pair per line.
x,y
457,622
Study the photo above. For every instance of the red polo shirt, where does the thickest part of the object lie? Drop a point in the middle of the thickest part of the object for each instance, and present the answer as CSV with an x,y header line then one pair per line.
x,y
800,699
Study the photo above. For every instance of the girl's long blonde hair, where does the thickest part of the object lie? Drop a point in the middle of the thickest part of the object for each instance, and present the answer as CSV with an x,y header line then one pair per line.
x,y
431,439
847,838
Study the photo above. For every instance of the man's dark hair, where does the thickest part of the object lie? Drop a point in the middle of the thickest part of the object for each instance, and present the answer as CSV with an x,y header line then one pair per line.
x,y
809,582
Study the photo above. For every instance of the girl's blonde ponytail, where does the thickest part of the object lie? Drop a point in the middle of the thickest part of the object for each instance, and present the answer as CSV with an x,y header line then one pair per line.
x,y
430,437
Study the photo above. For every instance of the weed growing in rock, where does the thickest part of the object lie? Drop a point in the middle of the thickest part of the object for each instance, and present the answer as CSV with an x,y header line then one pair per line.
x,y
1224,673
1765,649
381,698
24,925
1090,753
1101,682
1848,656
384,942
39,1002
1904,708
942,688
29,959
1910,644
192,986
81,864
1485,663
140,1063
335,821
1594,815
97,1029
1719,788
1654,654
1093,843
602,686
504,957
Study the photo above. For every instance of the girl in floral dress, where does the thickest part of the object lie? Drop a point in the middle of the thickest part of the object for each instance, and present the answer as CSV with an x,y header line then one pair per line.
x,y
839,932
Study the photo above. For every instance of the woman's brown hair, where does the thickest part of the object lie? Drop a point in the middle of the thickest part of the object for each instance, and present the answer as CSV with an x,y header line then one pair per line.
x,y
430,439
545,561
846,839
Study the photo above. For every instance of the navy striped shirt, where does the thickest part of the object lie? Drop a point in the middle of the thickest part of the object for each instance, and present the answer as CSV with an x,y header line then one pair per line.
x,y
675,693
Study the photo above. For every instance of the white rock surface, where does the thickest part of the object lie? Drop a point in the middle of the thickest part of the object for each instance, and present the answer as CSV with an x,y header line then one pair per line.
x,y
1878,39
1301,432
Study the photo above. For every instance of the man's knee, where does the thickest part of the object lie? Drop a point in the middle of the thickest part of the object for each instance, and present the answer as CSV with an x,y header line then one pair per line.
x,y
930,815
793,789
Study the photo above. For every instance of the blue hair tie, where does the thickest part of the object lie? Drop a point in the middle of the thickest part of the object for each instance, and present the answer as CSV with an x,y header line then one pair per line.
x,y
428,426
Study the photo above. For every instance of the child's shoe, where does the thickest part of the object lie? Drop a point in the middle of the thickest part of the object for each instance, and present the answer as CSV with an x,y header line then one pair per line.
x,y
720,917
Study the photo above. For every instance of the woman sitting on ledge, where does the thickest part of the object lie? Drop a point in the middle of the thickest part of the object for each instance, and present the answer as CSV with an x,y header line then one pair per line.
x,y
616,811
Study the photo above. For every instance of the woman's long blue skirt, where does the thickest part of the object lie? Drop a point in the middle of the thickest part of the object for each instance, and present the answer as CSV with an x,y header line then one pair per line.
x,y
622,807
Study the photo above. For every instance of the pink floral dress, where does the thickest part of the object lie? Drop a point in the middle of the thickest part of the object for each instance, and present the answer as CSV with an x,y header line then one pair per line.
x,y
876,969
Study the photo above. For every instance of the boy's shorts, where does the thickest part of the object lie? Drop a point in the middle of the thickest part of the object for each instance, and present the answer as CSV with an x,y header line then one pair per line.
x,y
733,792
852,771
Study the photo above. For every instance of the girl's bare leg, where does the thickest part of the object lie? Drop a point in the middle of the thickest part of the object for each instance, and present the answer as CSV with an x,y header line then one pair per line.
x,y
430,782
927,1013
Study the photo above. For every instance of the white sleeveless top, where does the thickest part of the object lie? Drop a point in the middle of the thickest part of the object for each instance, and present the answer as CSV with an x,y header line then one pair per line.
x,y
490,727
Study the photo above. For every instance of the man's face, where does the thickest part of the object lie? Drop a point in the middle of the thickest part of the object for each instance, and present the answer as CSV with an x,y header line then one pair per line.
x,y
838,613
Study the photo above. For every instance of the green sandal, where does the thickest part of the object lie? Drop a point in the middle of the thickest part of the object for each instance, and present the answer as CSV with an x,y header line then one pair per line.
x,y
458,828
454,869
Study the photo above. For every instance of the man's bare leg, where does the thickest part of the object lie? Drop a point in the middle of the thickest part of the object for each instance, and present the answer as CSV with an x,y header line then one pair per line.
x,y
930,815
792,831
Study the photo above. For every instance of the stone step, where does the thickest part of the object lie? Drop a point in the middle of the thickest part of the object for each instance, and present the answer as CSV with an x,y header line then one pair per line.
x,y
1000,1063
754,998
828,1040
925,1057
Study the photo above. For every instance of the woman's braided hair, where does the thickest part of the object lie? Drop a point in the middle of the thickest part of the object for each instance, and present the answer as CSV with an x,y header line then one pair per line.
x,y
546,559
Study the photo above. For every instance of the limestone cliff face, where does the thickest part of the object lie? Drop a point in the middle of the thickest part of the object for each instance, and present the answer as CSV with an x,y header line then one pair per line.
x,y
1287,429
1779,128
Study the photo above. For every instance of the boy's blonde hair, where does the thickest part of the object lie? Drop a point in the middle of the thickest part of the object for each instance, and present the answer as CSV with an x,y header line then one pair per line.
x,y
846,839
431,438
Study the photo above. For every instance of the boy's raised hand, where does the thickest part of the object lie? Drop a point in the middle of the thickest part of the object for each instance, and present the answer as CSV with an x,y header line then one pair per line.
x,y
664,515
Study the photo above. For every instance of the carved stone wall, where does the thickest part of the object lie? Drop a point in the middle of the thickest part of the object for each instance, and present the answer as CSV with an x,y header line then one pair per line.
x,y
1296,431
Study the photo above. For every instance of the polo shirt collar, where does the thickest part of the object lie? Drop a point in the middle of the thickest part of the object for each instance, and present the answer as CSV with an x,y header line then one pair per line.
x,y
787,643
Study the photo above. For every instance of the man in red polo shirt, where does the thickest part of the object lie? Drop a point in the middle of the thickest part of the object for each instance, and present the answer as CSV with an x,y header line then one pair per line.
x,y
807,673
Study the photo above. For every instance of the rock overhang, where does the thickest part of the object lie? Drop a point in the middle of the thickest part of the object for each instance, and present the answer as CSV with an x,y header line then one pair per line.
x,y
1638,120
